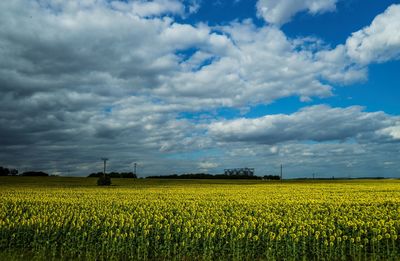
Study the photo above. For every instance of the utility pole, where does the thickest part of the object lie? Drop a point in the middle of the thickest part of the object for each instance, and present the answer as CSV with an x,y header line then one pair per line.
x,y
281,172
105,163
134,168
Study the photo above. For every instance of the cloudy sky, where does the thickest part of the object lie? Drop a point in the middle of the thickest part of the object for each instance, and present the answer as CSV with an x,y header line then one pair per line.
x,y
198,86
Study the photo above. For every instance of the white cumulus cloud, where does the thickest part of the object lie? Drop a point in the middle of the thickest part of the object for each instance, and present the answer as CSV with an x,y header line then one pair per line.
x,y
279,12
317,123
378,42
205,165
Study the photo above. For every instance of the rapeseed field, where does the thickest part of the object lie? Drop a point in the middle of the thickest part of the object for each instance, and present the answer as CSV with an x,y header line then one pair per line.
x,y
66,218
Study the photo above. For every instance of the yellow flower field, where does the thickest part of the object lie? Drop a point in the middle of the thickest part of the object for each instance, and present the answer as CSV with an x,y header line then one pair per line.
x,y
72,218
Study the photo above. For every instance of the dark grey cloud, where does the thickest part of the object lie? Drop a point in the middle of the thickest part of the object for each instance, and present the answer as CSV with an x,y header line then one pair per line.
x,y
80,80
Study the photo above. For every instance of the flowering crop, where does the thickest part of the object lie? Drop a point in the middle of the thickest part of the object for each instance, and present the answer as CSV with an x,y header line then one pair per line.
x,y
147,220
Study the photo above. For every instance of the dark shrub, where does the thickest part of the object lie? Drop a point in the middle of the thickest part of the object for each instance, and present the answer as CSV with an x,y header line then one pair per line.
x,y
104,180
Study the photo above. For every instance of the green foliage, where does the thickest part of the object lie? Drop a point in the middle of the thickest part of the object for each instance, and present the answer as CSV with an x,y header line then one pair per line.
x,y
115,175
204,176
272,177
35,174
4,171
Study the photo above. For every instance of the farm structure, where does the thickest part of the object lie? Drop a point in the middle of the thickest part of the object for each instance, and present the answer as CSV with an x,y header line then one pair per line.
x,y
239,172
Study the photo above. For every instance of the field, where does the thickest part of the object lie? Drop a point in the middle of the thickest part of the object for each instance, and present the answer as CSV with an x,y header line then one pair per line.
x,y
72,218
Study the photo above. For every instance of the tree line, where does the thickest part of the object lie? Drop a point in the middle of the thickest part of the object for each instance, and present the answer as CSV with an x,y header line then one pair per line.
x,y
114,175
14,172
210,176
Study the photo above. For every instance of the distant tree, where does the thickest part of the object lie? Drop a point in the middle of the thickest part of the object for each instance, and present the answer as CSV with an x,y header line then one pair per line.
x,y
129,175
272,177
4,171
114,175
95,175
35,174
203,176
14,172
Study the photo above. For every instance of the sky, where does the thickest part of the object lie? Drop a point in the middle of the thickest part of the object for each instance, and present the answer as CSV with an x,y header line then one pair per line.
x,y
187,86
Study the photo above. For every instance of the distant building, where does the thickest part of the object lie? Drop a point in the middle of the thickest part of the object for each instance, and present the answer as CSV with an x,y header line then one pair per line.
x,y
239,172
